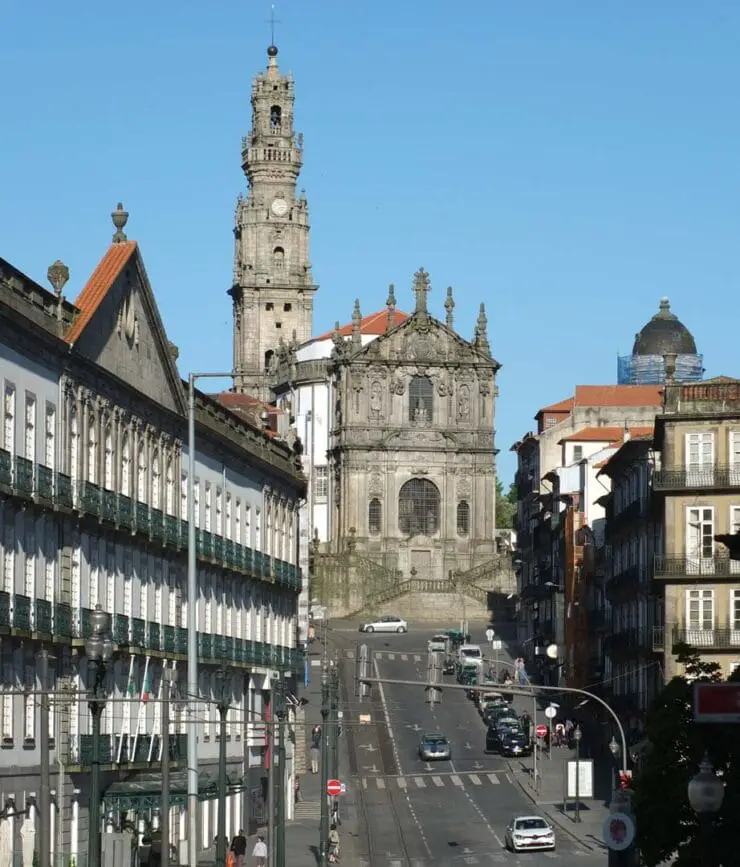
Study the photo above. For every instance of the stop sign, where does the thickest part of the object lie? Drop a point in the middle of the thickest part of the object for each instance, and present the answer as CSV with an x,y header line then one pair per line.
x,y
541,731
333,787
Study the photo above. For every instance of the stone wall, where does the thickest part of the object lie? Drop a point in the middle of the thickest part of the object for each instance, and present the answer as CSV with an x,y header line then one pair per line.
x,y
434,608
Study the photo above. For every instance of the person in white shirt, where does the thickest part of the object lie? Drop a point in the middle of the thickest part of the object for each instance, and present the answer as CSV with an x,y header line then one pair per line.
x,y
259,853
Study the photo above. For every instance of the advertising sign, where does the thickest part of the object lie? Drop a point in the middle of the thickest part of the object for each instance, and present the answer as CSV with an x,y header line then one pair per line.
x,y
585,778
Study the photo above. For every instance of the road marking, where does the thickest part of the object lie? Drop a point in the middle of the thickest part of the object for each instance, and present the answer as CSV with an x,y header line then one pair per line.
x,y
391,657
369,748
381,782
364,782
420,784
474,779
401,782
509,779
470,859
437,781
417,658
456,781
395,864
494,779
405,657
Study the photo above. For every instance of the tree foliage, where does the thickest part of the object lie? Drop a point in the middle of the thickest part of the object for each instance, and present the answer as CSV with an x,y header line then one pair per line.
x,y
667,827
505,506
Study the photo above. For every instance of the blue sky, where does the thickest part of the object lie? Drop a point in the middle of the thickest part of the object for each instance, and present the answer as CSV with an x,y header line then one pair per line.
x,y
566,162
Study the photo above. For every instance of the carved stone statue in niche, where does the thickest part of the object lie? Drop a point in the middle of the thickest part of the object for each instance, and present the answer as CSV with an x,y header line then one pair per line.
x,y
444,385
420,413
376,401
463,403
398,386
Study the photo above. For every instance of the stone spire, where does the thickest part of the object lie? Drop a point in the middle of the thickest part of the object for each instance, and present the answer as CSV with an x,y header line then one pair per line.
x,y
481,331
391,305
120,218
356,326
421,289
449,306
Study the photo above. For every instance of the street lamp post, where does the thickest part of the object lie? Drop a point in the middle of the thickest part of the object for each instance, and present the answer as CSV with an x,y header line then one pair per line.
x,y
706,792
222,705
577,738
99,649
193,625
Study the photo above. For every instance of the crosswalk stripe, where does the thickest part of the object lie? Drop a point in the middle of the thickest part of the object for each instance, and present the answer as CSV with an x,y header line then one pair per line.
x,y
364,782
437,781
381,783
401,783
405,657
420,784
456,781
493,778
307,810
474,779
391,656
417,658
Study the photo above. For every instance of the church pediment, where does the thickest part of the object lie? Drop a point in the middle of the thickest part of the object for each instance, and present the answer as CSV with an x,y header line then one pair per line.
x,y
413,438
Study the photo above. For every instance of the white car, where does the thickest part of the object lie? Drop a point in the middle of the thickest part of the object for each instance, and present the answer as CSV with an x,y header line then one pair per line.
x,y
524,833
468,653
390,623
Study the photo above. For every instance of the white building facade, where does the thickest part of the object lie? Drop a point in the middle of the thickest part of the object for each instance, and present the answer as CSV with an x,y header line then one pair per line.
x,y
93,510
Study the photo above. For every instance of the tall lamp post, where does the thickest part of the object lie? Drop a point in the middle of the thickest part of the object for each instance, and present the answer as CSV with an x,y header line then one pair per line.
x,y
577,735
222,705
99,649
706,792
193,625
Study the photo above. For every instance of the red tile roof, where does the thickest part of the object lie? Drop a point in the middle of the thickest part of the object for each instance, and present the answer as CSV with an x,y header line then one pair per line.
x,y
375,323
96,288
605,434
563,406
248,408
619,395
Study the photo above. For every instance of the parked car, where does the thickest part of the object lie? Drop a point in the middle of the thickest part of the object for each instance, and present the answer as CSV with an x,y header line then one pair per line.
x,y
434,747
390,623
529,832
437,644
513,742
448,667
503,733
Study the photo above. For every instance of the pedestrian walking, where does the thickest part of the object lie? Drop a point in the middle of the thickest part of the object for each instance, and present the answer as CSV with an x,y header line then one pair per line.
x,y
315,748
259,853
239,848
297,789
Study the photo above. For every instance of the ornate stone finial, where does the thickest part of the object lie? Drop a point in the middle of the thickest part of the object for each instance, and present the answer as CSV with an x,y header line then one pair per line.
x,y
665,307
449,306
58,275
391,305
421,289
481,331
120,218
337,340
174,351
356,325
669,362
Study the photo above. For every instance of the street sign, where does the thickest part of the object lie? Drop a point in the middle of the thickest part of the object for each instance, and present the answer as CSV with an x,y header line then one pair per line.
x,y
541,731
497,644
717,702
551,712
333,787
490,634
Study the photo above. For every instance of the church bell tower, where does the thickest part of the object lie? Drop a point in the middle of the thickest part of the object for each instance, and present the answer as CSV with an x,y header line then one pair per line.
x,y
273,289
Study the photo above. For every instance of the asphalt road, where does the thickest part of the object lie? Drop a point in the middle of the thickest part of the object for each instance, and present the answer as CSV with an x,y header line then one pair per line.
x,y
443,814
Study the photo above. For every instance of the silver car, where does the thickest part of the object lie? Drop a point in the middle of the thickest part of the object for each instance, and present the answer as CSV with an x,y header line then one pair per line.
x,y
390,623
434,748
529,832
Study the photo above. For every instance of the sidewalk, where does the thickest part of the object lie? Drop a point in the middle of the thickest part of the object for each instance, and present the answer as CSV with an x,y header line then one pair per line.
x,y
302,835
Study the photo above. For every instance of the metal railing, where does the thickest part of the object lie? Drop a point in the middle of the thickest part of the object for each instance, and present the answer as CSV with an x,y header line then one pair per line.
x,y
716,638
693,478
693,567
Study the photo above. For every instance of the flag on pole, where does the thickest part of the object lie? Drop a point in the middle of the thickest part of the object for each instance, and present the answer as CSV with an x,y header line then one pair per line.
x,y
145,690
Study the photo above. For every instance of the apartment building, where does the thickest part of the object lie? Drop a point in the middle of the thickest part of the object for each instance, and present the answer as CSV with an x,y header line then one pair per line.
x,y
93,511
697,482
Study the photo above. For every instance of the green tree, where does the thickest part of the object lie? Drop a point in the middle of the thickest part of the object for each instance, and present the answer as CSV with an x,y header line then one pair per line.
x,y
666,825
505,506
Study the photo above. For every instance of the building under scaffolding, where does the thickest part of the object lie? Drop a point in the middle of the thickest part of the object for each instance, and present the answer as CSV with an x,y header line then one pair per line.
x,y
663,335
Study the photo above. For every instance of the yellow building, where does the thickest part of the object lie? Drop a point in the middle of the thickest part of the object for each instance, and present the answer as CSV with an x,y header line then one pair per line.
x,y
697,475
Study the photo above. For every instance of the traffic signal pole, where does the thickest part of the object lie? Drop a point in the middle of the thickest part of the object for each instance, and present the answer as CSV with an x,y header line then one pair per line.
x,y
325,715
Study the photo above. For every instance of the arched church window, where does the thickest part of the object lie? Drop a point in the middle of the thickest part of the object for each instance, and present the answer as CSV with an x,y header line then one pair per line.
x,y
418,508
278,258
276,116
421,399
374,516
269,356
463,518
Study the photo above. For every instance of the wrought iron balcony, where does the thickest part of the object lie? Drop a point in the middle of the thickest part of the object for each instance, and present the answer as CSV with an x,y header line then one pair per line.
x,y
85,628
720,638
126,512
719,477
629,643
63,491
45,484
62,620
6,469
4,610
171,531
121,629
688,569
181,640
218,549
205,646
153,636
156,524
23,478
125,750
141,514
22,613
138,632
109,506
204,544
658,639
43,620
90,500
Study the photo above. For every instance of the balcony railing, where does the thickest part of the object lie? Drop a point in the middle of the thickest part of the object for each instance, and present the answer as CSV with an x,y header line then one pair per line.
x,y
6,469
720,638
43,620
119,749
22,613
658,639
691,568
23,480
697,478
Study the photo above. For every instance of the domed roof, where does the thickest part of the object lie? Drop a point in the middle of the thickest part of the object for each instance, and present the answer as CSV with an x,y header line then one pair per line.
x,y
664,334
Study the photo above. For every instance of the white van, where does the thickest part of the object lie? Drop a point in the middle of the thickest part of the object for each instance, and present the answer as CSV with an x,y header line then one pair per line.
x,y
468,653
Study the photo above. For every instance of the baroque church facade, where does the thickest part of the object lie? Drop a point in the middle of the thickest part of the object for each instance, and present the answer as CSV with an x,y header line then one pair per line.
x,y
395,412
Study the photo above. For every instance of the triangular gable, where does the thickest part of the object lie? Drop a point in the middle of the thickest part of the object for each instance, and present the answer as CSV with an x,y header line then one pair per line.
x,y
119,327
422,323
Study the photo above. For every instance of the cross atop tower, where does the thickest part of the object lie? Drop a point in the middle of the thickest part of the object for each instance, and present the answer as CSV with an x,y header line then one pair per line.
x,y
421,288
272,21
